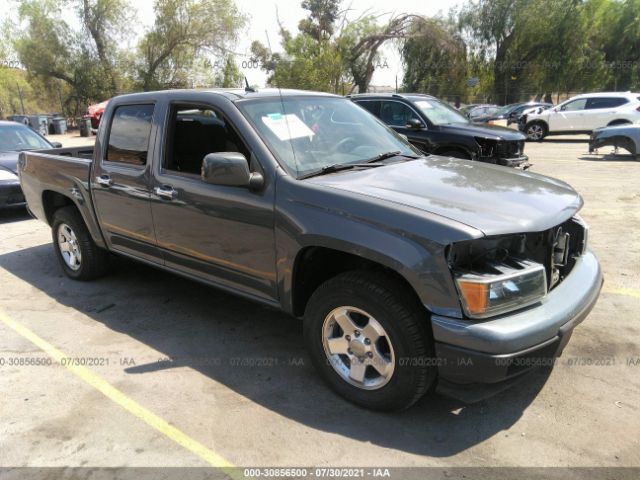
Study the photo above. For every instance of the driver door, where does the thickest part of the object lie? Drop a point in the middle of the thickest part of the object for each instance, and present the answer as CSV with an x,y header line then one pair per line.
x,y
396,115
569,117
218,233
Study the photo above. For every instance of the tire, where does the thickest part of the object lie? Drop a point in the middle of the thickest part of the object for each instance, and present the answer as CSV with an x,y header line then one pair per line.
x,y
371,301
455,154
79,256
536,131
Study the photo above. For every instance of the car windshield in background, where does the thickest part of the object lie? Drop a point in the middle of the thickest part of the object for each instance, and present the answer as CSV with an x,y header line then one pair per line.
x,y
506,109
14,138
437,112
308,134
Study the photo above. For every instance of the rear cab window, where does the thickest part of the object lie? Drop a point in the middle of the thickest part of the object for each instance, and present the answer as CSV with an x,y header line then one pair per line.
x,y
129,135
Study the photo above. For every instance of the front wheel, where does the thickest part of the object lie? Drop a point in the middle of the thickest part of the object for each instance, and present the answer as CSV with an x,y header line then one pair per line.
x,y
79,256
536,131
369,340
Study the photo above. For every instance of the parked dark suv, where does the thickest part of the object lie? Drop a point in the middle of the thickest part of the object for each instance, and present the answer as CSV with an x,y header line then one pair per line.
x,y
436,128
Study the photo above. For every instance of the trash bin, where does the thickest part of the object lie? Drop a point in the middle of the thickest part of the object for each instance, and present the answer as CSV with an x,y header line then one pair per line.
x,y
19,118
85,127
59,126
39,124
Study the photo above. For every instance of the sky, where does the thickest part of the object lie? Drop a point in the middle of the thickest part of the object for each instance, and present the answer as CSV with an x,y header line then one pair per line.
x,y
263,22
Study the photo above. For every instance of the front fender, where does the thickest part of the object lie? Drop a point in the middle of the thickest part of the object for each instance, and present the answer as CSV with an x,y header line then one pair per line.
x,y
360,227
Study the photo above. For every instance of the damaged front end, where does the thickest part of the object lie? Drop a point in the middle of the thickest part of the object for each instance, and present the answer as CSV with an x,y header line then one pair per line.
x,y
496,275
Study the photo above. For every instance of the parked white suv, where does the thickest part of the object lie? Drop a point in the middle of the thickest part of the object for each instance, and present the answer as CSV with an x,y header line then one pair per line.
x,y
583,114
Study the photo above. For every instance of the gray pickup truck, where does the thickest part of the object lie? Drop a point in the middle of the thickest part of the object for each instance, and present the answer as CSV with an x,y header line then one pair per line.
x,y
409,271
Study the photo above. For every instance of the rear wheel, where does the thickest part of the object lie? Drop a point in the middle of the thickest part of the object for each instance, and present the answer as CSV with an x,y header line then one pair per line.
x,y
536,131
369,340
79,256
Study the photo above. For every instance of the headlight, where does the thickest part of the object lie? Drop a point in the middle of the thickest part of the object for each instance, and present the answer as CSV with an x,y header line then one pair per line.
x,y
487,146
507,287
7,175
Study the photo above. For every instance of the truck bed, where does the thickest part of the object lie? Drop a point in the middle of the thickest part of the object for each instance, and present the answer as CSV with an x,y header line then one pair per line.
x,y
62,172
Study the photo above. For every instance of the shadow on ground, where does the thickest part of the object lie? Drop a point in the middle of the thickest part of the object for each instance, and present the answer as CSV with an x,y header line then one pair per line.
x,y
560,140
13,214
214,333
610,157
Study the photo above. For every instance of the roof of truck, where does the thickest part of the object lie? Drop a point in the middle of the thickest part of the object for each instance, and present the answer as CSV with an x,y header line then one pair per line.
x,y
230,93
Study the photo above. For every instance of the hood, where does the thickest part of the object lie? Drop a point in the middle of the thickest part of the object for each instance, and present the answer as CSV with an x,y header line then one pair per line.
x,y
493,132
493,199
9,160
633,130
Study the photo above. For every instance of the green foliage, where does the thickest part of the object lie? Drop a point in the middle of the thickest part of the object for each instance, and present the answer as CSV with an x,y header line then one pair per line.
x,y
230,76
313,59
183,29
435,58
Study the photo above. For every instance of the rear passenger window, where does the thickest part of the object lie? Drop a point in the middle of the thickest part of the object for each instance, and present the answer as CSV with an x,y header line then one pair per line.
x,y
605,102
129,134
371,106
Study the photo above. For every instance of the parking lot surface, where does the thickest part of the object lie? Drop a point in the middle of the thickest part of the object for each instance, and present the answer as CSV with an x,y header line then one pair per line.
x,y
143,368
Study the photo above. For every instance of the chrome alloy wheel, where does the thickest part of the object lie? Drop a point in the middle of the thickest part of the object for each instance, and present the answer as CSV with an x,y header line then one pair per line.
x,y
358,348
69,248
535,131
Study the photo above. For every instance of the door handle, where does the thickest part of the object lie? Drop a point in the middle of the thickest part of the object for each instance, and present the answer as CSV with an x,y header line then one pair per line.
x,y
104,181
166,191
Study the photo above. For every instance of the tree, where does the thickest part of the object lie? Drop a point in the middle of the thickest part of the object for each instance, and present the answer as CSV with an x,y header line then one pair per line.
x,y
313,59
183,29
491,27
435,58
230,77
323,14
103,20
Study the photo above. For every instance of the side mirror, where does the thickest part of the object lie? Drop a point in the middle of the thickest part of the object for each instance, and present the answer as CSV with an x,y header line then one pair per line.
x,y
56,144
230,168
414,124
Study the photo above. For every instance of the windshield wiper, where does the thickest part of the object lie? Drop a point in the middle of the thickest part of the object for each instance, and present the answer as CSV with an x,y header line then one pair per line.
x,y
336,167
384,156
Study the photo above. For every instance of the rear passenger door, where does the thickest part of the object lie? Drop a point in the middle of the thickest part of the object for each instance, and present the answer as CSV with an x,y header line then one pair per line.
x,y
120,182
601,110
221,234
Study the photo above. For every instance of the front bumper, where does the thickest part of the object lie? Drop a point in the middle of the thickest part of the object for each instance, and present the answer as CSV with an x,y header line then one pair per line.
x,y
499,349
11,194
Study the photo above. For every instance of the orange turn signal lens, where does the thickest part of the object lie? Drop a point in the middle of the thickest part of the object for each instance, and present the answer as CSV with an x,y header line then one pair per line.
x,y
475,296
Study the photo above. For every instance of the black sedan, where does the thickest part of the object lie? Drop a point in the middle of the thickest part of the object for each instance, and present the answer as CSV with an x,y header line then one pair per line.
x,y
510,113
16,138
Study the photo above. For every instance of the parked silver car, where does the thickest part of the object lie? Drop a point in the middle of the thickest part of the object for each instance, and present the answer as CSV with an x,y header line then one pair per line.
x,y
618,136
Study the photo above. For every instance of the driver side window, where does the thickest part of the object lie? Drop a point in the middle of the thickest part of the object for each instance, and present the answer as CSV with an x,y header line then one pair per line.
x,y
194,132
396,114
575,105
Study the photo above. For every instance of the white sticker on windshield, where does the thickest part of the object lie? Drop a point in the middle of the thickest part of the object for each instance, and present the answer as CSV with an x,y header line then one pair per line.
x,y
422,104
287,127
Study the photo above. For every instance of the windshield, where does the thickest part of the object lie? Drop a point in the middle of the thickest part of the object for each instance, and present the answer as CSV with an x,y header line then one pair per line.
x,y
507,109
18,137
310,133
439,113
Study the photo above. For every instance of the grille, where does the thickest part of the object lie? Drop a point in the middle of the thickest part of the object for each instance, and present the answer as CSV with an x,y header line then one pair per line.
x,y
567,242
510,149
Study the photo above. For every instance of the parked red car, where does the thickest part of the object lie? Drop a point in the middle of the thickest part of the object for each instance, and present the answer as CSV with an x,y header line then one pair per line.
x,y
94,112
